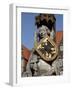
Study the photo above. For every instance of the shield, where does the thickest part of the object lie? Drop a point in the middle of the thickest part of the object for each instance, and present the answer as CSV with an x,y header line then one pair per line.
x,y
47,49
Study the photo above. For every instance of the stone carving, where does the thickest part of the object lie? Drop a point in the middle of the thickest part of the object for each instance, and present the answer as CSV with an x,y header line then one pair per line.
x,y
44,59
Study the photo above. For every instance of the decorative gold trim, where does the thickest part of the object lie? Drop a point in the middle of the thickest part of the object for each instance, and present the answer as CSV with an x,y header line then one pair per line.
x,y
52,43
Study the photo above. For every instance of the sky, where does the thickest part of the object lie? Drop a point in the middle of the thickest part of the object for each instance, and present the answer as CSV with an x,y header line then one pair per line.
x,y
28,28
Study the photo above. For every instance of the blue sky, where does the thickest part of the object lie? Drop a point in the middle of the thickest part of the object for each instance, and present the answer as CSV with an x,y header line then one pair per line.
x,y
28,27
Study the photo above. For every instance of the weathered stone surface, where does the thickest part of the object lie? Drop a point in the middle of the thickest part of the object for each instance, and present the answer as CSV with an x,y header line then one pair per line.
x,y
58,66
38,67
